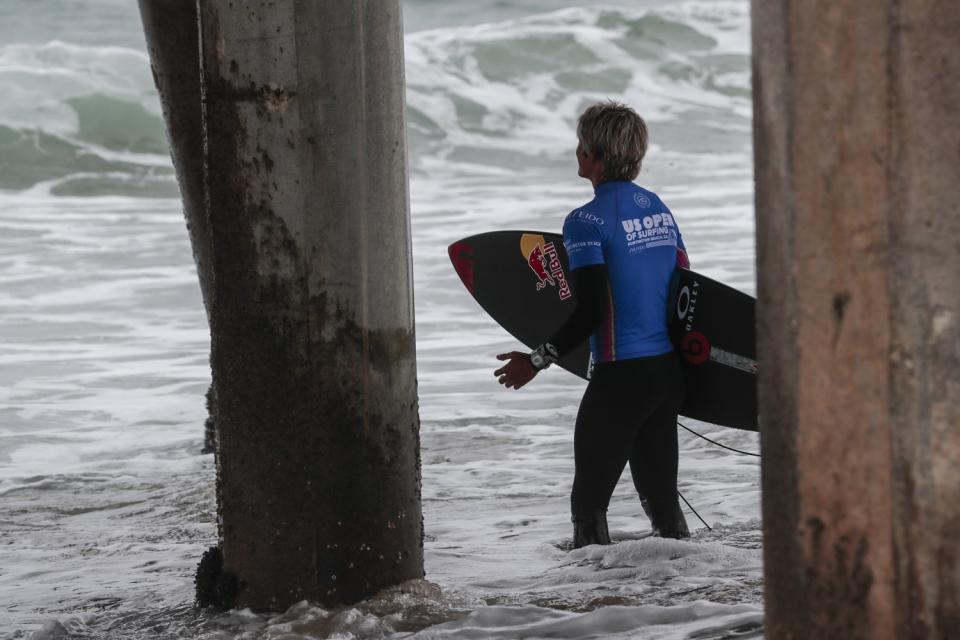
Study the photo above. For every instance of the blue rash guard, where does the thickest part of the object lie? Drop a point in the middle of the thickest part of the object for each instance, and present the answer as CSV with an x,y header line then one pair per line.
x,y
632,232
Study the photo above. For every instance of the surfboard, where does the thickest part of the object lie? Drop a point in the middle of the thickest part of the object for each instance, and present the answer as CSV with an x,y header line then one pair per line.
x,y
521,279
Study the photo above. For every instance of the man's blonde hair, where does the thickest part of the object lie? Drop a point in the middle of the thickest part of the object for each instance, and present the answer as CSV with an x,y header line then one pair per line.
x,y
618,135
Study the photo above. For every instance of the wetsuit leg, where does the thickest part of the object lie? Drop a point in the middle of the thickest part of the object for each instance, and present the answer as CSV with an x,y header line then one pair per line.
x,y
601,443
654,459
629,411
612,411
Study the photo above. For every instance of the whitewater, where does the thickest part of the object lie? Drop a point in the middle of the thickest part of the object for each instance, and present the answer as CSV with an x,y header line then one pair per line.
x,y
106,502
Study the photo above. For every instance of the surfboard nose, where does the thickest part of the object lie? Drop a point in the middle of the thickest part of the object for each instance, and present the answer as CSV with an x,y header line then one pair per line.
x,y
461,255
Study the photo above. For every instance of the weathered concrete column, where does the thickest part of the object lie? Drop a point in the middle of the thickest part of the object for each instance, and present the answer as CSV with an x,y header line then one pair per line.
x,y
312,315
858,233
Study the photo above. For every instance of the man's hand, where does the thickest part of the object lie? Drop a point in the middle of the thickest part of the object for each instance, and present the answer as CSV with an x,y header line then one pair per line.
x,y
517,372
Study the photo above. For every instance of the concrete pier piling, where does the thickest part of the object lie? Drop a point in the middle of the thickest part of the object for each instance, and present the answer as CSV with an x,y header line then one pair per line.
x,y
313,341
857,143
311,307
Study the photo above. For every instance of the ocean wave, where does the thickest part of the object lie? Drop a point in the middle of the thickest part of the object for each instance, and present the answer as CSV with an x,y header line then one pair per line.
x,y
493,95
518,86
70,109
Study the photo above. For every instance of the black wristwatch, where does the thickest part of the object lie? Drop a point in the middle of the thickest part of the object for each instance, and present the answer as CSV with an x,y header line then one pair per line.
x,y
543,356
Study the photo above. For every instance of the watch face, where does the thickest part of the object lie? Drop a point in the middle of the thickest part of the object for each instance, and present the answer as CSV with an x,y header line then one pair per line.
x,y
536,360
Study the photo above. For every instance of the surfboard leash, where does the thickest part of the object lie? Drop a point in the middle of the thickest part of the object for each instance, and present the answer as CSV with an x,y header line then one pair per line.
x,y
722,446
714,442
690,506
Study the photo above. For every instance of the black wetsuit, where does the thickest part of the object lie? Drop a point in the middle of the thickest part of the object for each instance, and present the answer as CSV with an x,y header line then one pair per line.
x,y
628,414
623,247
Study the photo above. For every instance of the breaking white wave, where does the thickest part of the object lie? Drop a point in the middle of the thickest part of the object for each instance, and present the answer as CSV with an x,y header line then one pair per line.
x,y
513,90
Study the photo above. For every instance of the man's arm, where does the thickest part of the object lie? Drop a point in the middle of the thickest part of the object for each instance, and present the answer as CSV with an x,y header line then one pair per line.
x,y
590,286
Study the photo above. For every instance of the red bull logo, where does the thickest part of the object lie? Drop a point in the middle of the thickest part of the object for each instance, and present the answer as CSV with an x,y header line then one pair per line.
x,y
545,263
538,262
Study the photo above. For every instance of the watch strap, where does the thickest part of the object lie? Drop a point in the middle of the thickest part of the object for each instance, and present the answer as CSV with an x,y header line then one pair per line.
x,y
543,356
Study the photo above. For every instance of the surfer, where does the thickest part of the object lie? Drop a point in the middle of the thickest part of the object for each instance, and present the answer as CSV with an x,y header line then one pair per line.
x,y
623,247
